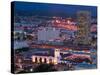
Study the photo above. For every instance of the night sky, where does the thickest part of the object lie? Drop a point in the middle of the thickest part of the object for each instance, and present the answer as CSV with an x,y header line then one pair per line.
x,y
43,9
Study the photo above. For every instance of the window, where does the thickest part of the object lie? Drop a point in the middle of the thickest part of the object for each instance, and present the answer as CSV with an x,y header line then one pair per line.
x,y
40,60
45,60
50,60
36,59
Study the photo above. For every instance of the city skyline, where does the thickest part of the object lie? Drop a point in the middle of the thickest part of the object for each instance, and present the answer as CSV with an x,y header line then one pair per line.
x,y
53,37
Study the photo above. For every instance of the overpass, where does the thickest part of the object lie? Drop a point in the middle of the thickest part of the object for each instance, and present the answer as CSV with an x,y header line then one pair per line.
x,y
62,47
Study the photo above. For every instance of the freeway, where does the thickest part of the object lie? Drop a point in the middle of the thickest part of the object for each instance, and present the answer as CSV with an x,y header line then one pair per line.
x,y
62,47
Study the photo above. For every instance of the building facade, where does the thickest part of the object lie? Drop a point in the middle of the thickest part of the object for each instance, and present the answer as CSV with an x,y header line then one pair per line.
x,y
48,33
44,58
84,21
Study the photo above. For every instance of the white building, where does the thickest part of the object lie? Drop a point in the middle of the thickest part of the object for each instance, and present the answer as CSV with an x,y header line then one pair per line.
x,y
47,58
48,33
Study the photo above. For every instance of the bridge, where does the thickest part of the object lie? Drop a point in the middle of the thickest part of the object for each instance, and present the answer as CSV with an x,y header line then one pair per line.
x,y
62,47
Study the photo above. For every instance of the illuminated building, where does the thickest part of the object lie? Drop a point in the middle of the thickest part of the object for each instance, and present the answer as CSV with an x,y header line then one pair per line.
x,y
48,58
84,21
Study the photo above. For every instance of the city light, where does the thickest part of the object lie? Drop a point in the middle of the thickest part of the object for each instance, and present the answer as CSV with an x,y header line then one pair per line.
x,y
58,42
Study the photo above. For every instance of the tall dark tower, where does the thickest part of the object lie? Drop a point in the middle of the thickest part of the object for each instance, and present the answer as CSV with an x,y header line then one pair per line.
x,y
84,21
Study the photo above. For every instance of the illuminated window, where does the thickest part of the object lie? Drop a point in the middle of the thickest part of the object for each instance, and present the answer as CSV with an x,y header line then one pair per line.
x,y
50,60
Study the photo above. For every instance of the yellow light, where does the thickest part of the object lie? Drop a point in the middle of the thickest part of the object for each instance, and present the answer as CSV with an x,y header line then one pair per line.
x,y
33,59
42,60
48,62
55,61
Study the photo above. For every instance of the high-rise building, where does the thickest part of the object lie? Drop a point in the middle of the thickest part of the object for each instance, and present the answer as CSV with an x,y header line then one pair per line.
x,y
83,27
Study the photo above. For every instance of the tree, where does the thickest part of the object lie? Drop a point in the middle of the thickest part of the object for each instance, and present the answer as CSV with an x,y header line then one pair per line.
x,y
44,68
